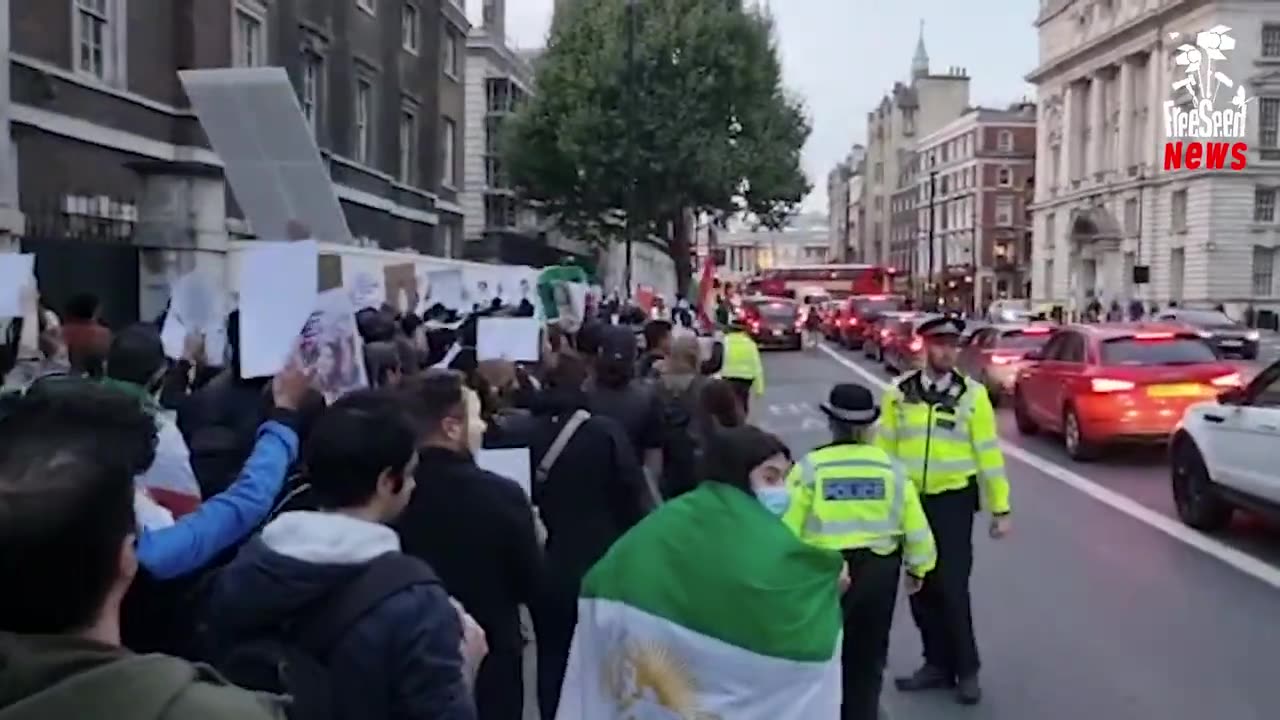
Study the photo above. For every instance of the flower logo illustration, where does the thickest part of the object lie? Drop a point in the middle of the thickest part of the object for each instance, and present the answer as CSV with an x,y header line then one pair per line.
x,y
1202,82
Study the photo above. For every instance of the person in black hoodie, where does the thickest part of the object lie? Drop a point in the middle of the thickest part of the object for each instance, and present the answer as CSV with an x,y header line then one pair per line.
x,y
402,657
475,529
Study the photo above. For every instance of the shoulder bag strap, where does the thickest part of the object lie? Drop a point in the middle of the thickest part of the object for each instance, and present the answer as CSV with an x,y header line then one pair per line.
x,y
386,575
559,444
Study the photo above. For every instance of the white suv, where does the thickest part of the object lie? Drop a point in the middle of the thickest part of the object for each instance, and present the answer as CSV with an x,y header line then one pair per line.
x,y
1223,454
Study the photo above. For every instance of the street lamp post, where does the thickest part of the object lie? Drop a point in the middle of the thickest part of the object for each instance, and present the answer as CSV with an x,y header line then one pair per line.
x,y
633,7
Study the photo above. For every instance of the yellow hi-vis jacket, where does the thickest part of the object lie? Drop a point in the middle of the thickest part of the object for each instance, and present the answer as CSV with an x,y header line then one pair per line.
x,y
850,497
742,360
945,439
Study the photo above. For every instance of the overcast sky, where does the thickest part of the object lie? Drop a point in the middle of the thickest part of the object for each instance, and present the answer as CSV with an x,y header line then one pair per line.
x,y
841,56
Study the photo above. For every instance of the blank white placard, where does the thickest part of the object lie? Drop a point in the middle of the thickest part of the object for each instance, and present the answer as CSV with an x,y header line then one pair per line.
x,y
506,338
510,463
17,271
277,295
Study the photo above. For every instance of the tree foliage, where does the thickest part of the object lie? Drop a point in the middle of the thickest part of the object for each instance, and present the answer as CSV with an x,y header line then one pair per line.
x,y
703,106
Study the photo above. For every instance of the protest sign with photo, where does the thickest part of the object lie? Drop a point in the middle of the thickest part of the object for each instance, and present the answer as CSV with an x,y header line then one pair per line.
x,y
330,349
401,286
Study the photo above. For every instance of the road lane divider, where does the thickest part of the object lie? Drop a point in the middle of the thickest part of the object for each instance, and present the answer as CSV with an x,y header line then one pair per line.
x,y
1237,559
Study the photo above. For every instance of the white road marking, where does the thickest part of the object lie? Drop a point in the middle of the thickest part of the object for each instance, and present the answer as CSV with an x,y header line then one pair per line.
x,y
1240,560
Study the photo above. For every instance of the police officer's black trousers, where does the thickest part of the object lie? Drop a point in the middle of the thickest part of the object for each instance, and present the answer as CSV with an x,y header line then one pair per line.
x,y
868,615
941,608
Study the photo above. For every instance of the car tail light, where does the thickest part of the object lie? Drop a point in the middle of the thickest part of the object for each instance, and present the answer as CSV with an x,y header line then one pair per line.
x,y
1228,381
916,345
884,333
755,326
853,321
1109,385
1153,336
1003,359
1035,331
875,298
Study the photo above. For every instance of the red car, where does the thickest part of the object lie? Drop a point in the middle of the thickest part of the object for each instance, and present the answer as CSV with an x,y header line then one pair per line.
x,y
1113,383
902,349
993,354
859,311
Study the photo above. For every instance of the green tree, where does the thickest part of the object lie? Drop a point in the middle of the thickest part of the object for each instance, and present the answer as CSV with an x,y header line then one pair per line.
x,y
698,122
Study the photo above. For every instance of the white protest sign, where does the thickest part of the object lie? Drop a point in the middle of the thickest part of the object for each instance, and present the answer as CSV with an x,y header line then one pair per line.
x,y
445,287
511,463
17,272
277,296
255,125
195,305
508,338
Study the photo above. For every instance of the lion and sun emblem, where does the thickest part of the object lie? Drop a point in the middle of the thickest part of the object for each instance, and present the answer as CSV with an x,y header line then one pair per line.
x,y
648,681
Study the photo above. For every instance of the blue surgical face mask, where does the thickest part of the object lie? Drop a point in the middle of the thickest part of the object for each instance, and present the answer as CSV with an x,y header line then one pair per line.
x,y
775,499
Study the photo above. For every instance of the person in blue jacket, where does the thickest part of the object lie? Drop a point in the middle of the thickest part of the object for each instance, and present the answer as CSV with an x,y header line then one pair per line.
x,y
174,561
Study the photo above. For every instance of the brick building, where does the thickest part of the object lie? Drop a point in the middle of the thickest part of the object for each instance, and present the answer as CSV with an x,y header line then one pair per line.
x,y
978,169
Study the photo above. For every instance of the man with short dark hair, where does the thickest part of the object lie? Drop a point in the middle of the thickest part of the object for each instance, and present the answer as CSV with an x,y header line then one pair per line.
x,y
657,346
613,392
136,365
392,637
67,533
475,528
86,337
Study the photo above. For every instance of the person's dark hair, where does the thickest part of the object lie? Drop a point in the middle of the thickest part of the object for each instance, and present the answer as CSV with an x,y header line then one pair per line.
x,y
569,373
732,454
589,337
375,325
82,306
433,396
409,324
381,359
655,331
69,450
136,355
359,437
721,402
614,373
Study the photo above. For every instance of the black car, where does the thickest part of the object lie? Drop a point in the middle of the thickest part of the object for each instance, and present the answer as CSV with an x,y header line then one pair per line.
x,y
773,322
1228,337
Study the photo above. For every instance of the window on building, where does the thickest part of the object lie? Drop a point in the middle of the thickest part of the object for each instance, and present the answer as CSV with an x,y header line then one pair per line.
x,y
1271,40
1269,122
1264,205
1178,211
499,211
363,141
1050,231
448,144
1047,290
495,175
369,6
1004,211
878,174
94,30
450,55
1177,269
249,34
1264,259
1004,177
409,25
1005,141
312,88
1131,216
408,146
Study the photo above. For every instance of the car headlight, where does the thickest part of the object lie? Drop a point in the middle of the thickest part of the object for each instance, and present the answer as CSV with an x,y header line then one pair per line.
x,y
1252,336
1205,335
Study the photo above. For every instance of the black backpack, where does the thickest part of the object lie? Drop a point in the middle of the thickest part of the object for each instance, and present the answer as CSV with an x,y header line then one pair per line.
x,y
682,446
293,661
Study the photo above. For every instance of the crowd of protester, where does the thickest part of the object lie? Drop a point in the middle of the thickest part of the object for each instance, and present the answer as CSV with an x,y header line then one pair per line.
x,y
177,541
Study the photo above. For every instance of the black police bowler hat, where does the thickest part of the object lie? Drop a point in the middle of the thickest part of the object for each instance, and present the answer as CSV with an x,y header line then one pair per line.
x,y
851,403
941,327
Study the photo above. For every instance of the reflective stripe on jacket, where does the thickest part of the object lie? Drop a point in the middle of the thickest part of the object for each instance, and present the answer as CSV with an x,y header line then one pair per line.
x,y
742,361
945,443
849,497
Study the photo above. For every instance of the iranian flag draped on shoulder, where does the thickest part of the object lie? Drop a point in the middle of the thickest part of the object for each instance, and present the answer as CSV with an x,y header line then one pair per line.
x,y
709,609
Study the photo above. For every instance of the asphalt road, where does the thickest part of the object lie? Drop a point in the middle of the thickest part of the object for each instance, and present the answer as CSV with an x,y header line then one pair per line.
x,y
1100,605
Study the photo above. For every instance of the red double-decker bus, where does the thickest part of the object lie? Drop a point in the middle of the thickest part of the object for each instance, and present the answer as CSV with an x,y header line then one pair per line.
x,y
838,281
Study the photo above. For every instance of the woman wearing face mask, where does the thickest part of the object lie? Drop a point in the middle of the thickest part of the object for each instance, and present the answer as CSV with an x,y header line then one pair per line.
x,y
715,579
